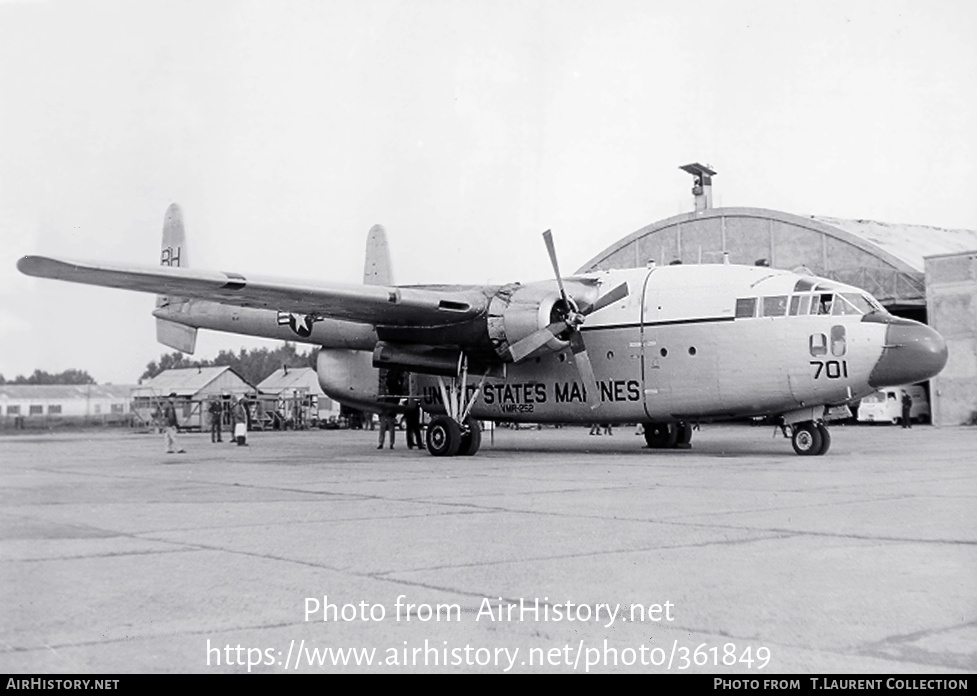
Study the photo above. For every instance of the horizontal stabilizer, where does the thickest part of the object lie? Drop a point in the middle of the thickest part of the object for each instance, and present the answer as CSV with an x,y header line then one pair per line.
x,y
179,336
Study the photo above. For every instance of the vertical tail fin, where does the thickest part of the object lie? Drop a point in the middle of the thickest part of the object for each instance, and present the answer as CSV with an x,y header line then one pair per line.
x,y
174,253
377,269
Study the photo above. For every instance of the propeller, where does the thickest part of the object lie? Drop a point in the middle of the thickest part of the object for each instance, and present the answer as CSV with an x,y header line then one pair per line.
x,y
573,317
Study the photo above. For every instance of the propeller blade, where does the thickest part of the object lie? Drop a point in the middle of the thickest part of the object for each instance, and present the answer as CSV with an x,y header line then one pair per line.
x,y
585,368
551,248
534,341
615,295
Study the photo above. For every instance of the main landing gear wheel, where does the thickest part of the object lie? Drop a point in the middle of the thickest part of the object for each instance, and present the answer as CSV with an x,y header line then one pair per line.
x,y
471,437
807,439
825,438
662,435
443,437
684,439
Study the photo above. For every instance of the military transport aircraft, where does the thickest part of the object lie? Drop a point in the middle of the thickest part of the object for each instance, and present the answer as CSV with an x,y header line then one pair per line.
x,y
667,346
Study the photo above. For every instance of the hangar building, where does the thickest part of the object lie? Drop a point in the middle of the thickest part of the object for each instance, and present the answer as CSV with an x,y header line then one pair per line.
x,y
923,273
194,388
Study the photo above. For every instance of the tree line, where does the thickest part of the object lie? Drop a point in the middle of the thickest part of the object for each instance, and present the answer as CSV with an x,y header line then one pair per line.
x,y
253,365
42,377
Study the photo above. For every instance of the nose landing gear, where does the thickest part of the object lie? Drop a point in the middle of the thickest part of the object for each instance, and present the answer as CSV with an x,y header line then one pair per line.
x,y
809,438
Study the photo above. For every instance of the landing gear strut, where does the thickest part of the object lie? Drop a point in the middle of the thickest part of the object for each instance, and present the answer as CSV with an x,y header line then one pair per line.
x,y
457,432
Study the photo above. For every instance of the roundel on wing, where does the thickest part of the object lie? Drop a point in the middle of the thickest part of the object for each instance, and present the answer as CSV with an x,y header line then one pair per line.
x,y
299,324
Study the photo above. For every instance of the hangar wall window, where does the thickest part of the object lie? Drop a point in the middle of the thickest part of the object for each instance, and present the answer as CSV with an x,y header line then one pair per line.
x,y
117,408
36,410
13,410
54,409
745,307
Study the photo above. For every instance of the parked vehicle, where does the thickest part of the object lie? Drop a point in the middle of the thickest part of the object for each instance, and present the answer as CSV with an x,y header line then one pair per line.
x,y
885,405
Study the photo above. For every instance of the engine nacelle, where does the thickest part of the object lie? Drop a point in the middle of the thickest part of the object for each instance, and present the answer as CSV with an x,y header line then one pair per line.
x,y
348,376
517,311
429,360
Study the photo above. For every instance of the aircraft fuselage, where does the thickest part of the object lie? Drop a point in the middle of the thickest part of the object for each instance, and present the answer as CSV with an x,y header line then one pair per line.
x,y
686,343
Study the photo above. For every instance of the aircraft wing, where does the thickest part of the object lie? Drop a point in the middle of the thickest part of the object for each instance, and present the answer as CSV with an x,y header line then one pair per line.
x,y
393,306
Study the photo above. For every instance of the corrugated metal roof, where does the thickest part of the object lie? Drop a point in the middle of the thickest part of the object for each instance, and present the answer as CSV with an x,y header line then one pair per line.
x,y
66,391
188,381
293,378
909,243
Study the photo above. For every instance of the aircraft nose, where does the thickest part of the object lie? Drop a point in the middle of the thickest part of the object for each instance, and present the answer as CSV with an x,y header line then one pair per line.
x,y
913,352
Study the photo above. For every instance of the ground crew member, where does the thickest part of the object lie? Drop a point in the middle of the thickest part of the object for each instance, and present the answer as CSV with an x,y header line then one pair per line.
x,y
216,413
388,422
241,423
170,424
412,421
907,407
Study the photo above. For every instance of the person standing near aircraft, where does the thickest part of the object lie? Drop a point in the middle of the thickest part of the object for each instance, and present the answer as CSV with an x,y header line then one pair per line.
x,y
907,407
216,412
170,423
412,421
388,421
241,423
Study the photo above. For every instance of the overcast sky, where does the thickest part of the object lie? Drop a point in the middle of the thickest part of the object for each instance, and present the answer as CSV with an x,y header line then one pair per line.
x,y
286,129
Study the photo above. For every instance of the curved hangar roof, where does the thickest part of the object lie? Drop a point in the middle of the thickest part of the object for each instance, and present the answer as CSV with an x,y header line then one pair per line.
x,y
882,258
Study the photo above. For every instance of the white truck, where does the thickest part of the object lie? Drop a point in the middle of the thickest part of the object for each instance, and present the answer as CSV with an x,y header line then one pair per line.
x,y
885,405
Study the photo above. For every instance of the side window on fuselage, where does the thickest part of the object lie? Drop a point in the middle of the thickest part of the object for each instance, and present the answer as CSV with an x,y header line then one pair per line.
x,y
746,307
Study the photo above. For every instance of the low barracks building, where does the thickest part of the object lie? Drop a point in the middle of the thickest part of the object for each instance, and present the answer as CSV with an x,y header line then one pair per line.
x,y
33,405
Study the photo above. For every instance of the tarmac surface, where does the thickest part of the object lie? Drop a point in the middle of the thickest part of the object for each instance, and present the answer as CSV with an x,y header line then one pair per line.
x,y
736,557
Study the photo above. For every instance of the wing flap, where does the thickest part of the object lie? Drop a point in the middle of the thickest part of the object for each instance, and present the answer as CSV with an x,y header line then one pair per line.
x,y
394,306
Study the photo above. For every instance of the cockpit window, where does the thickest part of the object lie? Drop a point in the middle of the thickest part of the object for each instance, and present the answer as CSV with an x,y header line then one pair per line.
x,y
861,302
804,304
872,303
850,303
775,306
822,304
800,305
